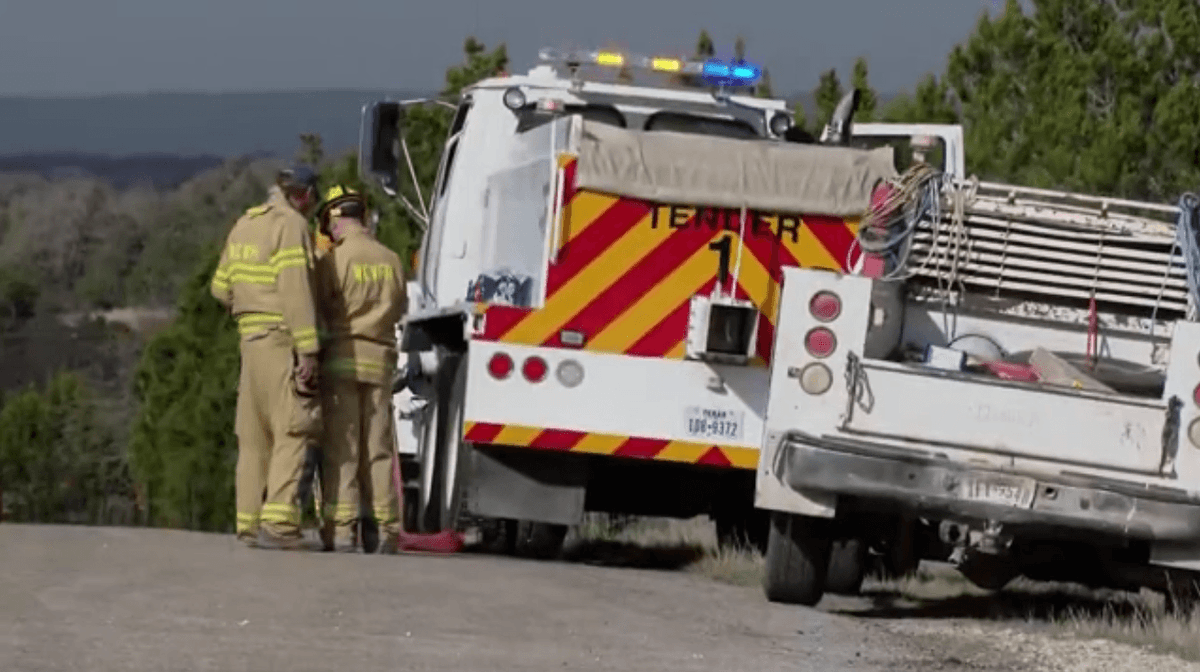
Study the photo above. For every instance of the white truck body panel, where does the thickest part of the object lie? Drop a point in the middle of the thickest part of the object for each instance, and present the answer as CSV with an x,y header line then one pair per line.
x,y
622,396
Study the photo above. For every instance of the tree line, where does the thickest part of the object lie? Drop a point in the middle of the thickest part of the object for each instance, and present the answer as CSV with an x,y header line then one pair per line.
x,y
1090,95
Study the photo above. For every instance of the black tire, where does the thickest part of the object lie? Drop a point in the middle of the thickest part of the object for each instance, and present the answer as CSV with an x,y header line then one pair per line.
x,y
451,386
797,559
540,541
847,567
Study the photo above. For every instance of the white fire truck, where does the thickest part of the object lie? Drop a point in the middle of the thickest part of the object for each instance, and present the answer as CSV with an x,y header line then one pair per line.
x,y
597,286
1016,393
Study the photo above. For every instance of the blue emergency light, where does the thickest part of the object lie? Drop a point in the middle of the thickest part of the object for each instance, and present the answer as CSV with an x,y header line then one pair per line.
x,y
713,72
735,73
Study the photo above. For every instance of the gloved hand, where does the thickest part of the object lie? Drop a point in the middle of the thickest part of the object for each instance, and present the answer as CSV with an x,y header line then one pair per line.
x,y
306,374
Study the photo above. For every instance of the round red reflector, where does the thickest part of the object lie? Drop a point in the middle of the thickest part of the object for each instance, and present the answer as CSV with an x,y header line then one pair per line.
x,y
825,306
500,366
1196,395
535,369
820,342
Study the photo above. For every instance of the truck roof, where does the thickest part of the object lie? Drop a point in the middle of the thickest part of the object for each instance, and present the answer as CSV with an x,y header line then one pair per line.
x,y
545,77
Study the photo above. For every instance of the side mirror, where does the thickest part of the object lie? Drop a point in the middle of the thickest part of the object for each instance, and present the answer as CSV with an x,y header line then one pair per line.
x,y
837,132
379,144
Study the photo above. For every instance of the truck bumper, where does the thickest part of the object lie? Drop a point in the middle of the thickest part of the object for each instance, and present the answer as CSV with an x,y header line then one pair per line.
x,y
937,486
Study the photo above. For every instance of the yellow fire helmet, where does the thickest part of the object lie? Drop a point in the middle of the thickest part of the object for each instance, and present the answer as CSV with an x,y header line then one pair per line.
x,y
341,200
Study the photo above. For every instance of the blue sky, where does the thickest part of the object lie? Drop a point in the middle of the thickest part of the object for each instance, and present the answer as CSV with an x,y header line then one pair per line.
x,y
65,47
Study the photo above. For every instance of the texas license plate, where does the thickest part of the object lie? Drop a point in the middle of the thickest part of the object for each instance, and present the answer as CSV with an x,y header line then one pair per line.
x,y
1016,492
714,423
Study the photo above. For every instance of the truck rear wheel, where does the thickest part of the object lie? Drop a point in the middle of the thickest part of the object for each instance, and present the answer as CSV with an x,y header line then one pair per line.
x,y
847,567
425,517
444,504
797,559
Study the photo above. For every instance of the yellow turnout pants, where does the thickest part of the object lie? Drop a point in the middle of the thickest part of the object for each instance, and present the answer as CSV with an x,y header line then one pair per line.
x,y
274,425
357,466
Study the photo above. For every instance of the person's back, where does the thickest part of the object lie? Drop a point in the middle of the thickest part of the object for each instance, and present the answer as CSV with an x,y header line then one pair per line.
x,y
363,302
264,243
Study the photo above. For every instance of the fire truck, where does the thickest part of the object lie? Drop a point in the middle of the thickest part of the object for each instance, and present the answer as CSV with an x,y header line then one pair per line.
x,y
1015,392
596,291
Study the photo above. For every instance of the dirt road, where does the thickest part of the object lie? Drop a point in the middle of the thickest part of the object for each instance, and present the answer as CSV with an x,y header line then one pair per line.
x,y
130,600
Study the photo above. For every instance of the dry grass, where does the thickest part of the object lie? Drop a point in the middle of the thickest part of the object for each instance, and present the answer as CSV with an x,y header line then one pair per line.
x,y
935,591
1139,619
652,543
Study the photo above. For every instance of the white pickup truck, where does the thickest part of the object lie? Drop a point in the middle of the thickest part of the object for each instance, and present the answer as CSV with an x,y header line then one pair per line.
x,y
1015,392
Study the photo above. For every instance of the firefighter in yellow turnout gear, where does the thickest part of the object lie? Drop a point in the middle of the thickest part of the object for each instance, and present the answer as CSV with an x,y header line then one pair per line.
x,y
265,279
361,297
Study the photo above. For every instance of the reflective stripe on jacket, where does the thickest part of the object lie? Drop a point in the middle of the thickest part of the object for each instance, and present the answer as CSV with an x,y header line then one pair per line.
x,y
265,273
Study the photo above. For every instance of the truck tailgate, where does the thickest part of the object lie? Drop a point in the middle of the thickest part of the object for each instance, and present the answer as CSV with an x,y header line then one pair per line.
x,y
1014,419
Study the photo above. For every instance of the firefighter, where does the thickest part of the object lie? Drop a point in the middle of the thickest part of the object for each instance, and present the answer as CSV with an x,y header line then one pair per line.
x,y
264,278
361,298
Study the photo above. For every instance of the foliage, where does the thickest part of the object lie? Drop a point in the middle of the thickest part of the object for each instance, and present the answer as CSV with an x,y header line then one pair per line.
x,y
868,100
826,96
59,461
929,103
182,447
1084,95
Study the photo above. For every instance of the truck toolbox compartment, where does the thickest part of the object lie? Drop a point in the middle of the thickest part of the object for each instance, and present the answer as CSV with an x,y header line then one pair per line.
x,y
1014,419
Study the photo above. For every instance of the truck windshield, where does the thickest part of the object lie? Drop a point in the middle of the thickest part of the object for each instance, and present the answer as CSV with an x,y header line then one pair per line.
x,y
602,114
679,122
903,146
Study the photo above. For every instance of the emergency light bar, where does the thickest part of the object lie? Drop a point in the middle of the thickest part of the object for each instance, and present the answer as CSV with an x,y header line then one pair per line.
x,y
711,71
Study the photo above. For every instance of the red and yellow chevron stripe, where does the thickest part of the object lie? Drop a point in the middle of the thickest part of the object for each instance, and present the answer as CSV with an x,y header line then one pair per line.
x,y
625,271
614,446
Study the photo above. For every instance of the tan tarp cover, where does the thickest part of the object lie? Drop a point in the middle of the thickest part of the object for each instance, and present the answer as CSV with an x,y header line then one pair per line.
x,y
694,169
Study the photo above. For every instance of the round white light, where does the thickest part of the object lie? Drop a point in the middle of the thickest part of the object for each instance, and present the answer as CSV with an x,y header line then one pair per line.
x,y
1194,432
780,123
569,373
816,378
514,98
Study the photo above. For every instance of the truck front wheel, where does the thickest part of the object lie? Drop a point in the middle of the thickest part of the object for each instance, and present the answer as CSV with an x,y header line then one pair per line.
x,y
797,559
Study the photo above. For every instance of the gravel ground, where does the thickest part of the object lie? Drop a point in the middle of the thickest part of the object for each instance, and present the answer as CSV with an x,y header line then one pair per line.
x,y
100,599
978,645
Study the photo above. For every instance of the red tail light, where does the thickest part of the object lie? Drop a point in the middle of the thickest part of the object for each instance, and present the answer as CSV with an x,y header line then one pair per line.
x,y
825,306
500,366
535,369
820,342
1196,395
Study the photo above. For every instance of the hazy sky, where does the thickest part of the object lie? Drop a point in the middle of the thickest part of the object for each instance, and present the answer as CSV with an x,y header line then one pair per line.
x,y
61,47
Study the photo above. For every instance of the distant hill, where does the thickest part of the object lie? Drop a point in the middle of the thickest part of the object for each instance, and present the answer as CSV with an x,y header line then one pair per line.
x,y
159,171
186,124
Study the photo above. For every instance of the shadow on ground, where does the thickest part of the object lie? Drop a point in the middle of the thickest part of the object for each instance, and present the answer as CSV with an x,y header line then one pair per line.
x,y
633,555
627,555
1042,605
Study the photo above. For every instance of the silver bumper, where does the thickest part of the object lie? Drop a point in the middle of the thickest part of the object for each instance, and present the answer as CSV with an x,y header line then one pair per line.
x,y
935,486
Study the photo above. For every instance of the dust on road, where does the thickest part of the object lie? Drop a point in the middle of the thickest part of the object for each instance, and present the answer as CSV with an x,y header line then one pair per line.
x,y
128,600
